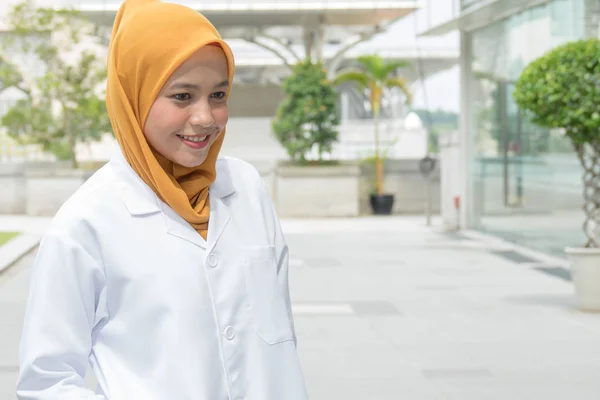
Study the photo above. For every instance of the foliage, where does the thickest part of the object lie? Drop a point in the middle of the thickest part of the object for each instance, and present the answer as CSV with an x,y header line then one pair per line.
x,y
64,103
307,118
374,76
7,236
561,89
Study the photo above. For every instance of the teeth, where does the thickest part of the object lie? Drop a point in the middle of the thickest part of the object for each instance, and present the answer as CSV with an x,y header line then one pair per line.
x,y
195,138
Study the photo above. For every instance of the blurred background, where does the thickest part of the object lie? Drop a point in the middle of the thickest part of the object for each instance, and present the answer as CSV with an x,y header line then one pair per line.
x,y
459,59
399,118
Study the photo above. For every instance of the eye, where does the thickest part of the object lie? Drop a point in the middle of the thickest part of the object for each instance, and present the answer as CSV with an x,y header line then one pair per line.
x,y
181,96
219,95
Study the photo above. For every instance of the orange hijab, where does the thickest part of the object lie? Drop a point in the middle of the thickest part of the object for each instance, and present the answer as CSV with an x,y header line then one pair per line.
x,y
150,39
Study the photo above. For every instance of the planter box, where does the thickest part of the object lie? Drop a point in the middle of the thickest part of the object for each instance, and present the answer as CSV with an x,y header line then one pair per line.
x,y
402,179
47,190
13,194
317,191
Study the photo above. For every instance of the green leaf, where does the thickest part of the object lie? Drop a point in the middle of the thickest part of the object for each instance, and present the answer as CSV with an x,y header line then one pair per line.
x,y
64,107
561,89
401,84
358,77
307,118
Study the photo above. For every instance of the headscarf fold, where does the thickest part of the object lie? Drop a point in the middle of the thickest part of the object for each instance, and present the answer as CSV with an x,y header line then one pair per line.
x,y
150,39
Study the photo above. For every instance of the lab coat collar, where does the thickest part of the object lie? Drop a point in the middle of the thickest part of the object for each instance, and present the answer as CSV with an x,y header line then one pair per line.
x,y
223,184
140,200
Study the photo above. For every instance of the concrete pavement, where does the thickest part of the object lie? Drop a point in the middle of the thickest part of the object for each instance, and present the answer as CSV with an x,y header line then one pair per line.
x,y
389,309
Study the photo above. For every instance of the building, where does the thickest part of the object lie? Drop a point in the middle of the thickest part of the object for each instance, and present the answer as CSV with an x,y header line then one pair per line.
x,y
268,36
519,181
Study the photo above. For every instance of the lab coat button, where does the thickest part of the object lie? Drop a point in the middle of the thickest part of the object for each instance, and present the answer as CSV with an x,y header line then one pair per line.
x,y
229,333
213,261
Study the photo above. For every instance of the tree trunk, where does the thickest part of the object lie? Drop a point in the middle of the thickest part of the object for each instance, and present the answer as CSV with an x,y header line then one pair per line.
x,y
589,156
71,140
72,146
309,42
378,162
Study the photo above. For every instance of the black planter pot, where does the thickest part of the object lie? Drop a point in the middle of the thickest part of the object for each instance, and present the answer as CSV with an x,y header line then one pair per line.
x,y
382,205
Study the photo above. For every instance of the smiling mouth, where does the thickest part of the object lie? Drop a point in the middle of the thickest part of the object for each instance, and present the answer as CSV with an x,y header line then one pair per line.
x,y
195,142
195,139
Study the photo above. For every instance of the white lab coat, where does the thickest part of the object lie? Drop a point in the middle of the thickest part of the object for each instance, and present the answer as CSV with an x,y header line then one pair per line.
x,y
121,281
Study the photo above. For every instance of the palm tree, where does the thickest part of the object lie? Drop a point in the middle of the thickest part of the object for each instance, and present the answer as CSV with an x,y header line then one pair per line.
x,y
376,75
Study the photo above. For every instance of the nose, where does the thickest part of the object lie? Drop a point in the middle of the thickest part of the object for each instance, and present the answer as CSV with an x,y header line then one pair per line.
x,y
202,115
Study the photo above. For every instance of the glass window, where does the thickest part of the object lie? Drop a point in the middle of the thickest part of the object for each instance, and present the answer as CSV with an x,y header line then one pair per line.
x,y
527,179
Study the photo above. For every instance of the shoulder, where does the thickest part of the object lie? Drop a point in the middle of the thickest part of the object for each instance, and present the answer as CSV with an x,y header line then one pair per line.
x,y
251,198
88,206
238,168
240,174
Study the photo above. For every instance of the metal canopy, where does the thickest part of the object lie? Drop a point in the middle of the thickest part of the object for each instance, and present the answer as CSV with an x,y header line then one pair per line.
x,y
287,22
482,14
249,14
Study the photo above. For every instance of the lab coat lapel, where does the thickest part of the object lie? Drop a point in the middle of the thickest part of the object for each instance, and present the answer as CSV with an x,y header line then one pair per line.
x,y
219,218
219,192
179,227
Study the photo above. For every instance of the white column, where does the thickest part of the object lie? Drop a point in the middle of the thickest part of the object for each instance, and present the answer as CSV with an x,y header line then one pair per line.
x,y
450,180
466,135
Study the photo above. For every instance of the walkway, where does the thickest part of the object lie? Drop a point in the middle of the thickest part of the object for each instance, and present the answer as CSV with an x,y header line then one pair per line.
x,y
389,309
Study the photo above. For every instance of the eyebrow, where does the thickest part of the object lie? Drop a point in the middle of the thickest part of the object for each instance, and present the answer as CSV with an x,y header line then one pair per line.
x,y
185,85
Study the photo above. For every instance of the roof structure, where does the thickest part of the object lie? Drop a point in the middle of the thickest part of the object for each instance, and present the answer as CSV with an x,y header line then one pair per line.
x,y
267,36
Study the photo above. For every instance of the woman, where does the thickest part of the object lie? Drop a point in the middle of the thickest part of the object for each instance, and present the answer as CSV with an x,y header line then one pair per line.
x,y
167,271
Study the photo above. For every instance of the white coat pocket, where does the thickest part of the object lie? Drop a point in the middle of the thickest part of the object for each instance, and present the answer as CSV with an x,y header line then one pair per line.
x,y
266,297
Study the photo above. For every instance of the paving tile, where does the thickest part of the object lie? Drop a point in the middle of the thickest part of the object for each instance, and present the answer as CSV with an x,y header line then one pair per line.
x,y
374,308
372,389
321,309
558,272
514,256
321,262
457,373
8,384
403,313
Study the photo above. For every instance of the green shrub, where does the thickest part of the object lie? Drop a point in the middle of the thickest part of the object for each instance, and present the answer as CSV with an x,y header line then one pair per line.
x,y
307,118
561,89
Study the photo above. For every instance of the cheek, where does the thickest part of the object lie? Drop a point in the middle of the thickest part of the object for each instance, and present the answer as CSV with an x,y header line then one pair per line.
x,y
221,115
164,117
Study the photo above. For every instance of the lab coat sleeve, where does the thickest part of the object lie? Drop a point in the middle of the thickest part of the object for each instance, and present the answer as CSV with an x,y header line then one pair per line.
x,y
66,286
283,259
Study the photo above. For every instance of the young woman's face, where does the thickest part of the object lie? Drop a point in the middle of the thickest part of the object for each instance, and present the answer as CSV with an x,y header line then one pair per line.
x,y
190,111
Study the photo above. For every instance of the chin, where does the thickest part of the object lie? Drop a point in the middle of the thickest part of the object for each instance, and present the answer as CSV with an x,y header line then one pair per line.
x,y
191,162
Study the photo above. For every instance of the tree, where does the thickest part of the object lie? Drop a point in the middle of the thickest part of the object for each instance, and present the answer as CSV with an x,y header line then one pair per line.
x,y
64,102
375,76
561,89
307,118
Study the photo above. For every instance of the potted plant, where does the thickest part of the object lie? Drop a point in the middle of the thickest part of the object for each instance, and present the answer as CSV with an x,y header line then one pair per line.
x,y
307,118
374,76
311,184
561,89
